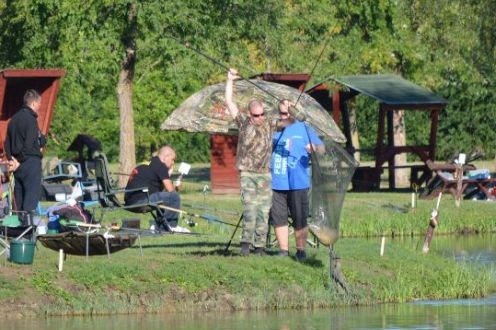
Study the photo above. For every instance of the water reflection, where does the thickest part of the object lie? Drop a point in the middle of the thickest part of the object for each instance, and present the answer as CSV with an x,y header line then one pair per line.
x,y
480,249
406,316
474,248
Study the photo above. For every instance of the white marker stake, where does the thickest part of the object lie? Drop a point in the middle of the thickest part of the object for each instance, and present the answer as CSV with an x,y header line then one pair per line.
x,y
383,243
61,259
413,200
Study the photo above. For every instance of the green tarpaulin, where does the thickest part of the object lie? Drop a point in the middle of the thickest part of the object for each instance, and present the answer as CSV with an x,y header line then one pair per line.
x,y
391,89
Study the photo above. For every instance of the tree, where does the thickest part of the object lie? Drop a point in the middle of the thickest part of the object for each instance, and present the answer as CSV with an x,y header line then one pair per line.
x,y
127,151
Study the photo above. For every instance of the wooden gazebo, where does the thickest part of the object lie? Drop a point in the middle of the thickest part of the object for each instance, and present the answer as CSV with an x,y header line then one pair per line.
x,y
393,93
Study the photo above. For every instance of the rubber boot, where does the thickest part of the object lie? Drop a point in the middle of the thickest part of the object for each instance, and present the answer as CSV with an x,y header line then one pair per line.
x,y
259,251
245,249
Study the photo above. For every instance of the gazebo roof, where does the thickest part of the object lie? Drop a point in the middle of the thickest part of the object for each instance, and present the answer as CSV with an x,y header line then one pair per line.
x,y
391,89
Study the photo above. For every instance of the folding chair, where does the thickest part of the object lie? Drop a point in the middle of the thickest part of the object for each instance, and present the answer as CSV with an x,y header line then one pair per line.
x,y
107,195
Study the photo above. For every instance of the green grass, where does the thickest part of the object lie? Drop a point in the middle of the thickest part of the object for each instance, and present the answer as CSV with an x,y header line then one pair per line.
x,y
374,214
184,273
9,288
191,273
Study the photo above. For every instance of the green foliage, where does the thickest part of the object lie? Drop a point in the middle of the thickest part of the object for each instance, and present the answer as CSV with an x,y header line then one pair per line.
x,y
447,46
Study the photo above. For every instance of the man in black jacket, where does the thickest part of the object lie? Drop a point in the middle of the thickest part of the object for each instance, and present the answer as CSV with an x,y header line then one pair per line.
x,y
156,176
23,148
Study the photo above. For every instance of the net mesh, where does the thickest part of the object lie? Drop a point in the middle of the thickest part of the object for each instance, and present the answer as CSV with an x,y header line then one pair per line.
x,y
331,175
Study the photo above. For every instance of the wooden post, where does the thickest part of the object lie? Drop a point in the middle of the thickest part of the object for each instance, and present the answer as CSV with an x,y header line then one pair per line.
x,y
432,225
459,184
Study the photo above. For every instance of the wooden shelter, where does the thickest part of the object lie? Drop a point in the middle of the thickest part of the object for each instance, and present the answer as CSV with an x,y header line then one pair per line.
x,y
13,85
393,93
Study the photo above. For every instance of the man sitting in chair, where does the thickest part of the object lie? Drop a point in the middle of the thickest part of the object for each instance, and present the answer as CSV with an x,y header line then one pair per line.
x,y
156,176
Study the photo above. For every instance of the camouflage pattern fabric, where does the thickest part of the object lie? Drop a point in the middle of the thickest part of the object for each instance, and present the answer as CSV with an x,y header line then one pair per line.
x,y
254,145
256,195
206,111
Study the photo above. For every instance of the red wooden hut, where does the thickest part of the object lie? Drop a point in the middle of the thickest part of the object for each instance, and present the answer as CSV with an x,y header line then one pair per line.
x,y
13,85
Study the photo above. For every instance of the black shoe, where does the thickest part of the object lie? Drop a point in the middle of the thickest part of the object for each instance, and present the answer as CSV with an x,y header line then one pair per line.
x,y
283,253
259,251
26,219
301,256
245,249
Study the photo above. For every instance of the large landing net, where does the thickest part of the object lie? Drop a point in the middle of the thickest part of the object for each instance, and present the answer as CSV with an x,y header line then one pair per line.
x,y
331,176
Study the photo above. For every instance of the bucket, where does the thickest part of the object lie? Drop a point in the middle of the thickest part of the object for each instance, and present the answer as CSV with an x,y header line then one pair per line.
x,y
22,251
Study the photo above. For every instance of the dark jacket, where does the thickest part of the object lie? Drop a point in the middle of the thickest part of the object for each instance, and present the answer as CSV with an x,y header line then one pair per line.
x,y
24,138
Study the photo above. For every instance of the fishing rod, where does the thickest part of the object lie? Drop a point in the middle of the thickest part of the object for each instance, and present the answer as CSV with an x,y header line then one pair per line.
x,y
154,232
313,69
198,207
319,83
222,65
205,217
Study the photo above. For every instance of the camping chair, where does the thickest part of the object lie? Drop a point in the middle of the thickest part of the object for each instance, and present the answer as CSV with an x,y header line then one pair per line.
x,y
107,195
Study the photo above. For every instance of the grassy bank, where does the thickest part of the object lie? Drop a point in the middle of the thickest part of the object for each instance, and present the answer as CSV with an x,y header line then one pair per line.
x,y
183,273
180,273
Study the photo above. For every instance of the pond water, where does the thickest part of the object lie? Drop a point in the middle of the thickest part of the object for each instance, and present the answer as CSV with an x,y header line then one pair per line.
x,y
451,314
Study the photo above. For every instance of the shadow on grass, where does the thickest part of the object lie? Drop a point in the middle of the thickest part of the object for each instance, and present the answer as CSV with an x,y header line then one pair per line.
x,y
234,252
180,245
219,249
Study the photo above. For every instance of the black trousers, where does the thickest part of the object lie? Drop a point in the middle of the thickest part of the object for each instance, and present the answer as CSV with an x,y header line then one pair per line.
x,y
27,190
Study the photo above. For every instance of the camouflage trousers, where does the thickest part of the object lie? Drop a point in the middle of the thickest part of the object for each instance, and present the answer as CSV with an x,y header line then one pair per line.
x,y
256,196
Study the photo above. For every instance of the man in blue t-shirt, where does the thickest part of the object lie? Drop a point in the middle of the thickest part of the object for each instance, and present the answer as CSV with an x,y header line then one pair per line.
x,y
291,180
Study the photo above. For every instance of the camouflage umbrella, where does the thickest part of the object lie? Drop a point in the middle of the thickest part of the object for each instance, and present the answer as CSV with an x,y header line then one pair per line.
x,y
206,111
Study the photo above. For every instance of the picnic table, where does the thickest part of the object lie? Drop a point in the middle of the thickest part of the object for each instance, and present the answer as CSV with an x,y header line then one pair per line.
x,y
452,178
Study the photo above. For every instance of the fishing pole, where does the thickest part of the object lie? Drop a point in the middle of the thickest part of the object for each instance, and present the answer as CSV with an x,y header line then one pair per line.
x,y
313,69
319,83
198,207
222,65
205,217
303,90
154,232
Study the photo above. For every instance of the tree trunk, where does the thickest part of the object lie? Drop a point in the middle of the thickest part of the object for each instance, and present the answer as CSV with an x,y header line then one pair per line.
x,y
127,157
401,175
